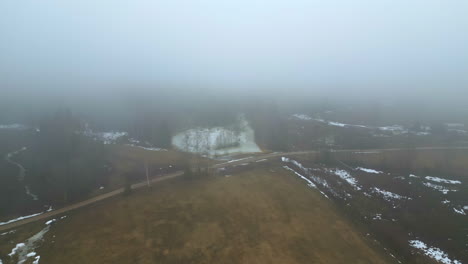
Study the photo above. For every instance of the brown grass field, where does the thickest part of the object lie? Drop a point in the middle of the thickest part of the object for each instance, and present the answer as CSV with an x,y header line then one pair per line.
x,y
255,216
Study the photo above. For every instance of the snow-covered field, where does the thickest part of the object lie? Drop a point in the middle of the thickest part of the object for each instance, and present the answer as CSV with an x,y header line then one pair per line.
x,y
216,141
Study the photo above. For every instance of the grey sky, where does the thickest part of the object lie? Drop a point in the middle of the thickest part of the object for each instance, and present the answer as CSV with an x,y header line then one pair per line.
x,y
333,45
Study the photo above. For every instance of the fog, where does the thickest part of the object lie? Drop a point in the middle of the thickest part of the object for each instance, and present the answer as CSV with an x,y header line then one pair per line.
x,y
88,52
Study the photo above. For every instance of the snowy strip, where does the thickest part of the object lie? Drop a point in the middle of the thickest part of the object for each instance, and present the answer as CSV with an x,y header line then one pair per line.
x,y
368,170
262,160
19,218
367,152
315,179
146,148
297,164
14,127
302,117
309,182
7,233
441,180
439,188
459,211
24,217
433,252
389,196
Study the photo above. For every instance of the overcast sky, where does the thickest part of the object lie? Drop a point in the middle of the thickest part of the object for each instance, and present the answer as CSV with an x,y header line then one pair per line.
x,y
329,46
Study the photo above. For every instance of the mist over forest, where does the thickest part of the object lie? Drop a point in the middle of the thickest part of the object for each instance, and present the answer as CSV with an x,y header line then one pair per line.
x,y
246,131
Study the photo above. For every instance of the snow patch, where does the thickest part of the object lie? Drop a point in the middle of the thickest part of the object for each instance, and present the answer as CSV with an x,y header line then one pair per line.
x,y
377,217
302,117
36,260
344,175
14,127
441,180
459,211
433,252
7,233
439,188
19,218
50,221
389,196
368,170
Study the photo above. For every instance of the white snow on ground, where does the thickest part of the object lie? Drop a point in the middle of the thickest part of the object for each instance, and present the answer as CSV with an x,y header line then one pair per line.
x,y
302,117
459,211
36,260
24,217
51,221
309,182
297,164
445,201
389,196
19,218
110,137
465,207
347,177
106,137
414,176
369,170
25,250
7,233
439,188
146,148
395,129
262,160
377,217
217,141
433,252
317,180
367,152
441,180
14,127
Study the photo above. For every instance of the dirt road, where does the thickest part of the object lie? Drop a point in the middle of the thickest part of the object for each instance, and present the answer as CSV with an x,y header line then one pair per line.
x,y
101,197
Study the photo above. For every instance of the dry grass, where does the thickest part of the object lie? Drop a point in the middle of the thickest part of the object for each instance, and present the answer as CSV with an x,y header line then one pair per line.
x,y
251,217
127,159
